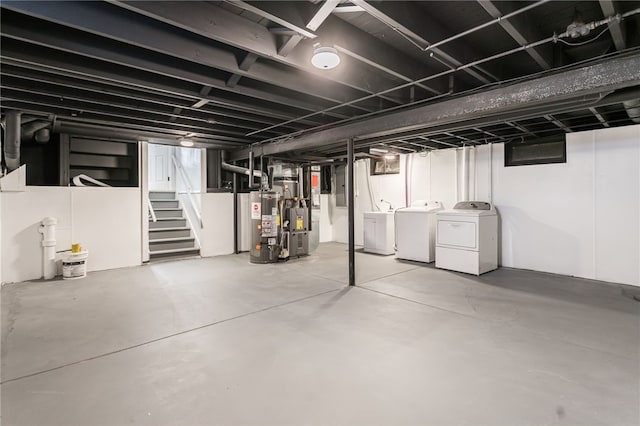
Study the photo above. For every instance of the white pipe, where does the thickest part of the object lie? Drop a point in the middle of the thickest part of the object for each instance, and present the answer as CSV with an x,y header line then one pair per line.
x,y
465,173
456,177
48,231
475,174
12,140
491,173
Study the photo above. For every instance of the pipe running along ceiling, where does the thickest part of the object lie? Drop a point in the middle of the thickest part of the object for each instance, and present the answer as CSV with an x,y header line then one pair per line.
x,y
235,74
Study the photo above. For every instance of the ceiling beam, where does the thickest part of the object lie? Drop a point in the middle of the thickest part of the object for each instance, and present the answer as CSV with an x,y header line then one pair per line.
x,y
414,24
243,34
119,24
559,88
86,75
136,101
521,31
69,42
118,111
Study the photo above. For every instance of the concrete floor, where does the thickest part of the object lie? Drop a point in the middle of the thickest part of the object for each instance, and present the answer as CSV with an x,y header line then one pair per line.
x,y
222,341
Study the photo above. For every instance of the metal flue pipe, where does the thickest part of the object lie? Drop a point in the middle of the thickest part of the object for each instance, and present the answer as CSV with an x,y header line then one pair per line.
x,y
12,140
36,130
244,171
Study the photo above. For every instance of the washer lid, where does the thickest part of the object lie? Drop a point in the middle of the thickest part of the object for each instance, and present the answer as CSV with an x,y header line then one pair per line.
x,y
421,206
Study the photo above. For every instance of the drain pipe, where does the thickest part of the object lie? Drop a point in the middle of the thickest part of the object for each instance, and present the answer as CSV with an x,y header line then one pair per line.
x,y
48,231
252,184
465,173
12,140
244,171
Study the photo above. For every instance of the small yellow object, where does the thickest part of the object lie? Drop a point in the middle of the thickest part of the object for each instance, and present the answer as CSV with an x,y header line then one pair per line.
x,y
75,248
299,224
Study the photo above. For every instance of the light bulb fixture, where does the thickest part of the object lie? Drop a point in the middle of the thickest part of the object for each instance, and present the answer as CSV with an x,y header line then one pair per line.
x,y
324,58
186,142
390,156
378,150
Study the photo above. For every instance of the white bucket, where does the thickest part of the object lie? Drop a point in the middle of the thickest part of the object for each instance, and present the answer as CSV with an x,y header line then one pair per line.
x,y
74,265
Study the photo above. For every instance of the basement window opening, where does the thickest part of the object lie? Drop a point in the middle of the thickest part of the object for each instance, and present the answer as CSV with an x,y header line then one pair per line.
x,y
535,152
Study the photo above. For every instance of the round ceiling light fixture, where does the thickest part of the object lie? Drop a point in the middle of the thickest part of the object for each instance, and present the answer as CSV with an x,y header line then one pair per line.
x,y
186,142
325,58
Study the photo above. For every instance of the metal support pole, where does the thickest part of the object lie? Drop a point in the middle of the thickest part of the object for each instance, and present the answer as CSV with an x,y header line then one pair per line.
x,y
351,206
235,212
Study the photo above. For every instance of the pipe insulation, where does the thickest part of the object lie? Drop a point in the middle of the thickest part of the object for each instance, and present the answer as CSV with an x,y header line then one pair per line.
x,y
12,140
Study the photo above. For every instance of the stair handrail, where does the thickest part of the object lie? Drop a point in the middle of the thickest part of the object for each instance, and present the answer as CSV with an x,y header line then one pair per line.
x,y
151,210
189,192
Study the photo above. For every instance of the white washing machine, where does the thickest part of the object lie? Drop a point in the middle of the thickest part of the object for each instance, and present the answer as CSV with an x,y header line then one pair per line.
x,y
467,238
378,232
416,231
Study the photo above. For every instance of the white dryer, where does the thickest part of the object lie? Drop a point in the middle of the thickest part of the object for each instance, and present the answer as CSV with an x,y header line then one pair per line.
x,y
467,238
416,231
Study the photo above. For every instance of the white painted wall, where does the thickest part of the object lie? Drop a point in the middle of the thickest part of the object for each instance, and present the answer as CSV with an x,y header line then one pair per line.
x,y
217,219
581,218
1,257
547,212
326,227
105,221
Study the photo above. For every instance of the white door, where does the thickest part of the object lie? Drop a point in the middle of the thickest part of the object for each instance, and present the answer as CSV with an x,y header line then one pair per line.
x,y
161,175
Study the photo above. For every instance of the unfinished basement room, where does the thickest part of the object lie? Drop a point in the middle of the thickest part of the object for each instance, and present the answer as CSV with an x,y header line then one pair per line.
x,y
320,212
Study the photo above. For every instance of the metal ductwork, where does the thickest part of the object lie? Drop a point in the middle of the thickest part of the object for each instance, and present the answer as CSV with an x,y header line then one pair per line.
x,y
264,179
37,130
633,109
12,140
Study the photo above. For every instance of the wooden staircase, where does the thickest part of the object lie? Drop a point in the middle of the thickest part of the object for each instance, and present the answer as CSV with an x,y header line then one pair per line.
x,y
170,236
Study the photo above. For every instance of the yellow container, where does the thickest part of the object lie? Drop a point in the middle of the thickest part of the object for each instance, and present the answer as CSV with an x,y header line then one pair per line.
x,y
75,248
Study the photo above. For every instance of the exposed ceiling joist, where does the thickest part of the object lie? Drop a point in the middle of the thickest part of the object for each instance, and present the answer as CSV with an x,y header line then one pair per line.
x,y
599,116
348,39
616,27
598,78
109,21
84,73
558,123
252,37
516,28
69,43
411,23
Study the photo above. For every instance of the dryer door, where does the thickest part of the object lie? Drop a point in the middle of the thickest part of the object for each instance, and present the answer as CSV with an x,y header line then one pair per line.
x,y
457,234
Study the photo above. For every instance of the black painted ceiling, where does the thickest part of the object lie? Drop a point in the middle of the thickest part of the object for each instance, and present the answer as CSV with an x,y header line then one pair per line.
x,y
233,73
